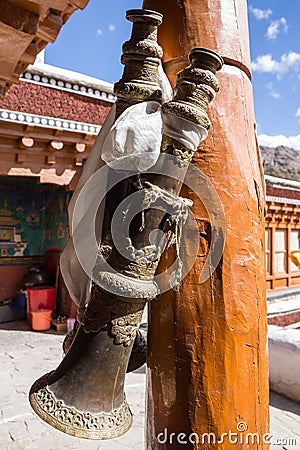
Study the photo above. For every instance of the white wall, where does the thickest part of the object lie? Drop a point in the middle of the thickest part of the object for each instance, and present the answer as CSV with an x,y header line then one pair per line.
x,y
284,361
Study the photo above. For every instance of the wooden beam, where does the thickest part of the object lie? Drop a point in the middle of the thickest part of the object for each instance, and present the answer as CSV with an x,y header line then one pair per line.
x,y
30,54
51,159
78,161
26,27
26,142
9,129
56,145
50,27
80,147
17,17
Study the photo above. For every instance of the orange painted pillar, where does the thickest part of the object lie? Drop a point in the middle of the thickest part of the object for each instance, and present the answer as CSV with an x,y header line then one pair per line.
x,y
207,364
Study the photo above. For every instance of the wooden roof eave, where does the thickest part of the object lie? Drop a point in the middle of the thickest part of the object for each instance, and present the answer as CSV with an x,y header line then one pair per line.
x,y
25,29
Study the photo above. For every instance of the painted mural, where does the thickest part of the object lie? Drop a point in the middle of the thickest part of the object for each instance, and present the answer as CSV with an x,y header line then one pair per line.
x,y
33,217
11,243
56,228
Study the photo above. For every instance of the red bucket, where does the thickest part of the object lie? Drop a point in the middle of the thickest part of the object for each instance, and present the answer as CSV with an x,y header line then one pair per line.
x,y
40,297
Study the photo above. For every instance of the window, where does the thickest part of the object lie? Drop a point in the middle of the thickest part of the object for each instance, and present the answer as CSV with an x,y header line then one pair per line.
x,y
295,245
280,251
268,249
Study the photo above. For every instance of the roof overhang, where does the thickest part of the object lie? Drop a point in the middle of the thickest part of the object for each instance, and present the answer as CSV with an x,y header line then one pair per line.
x,y
51,148
26,27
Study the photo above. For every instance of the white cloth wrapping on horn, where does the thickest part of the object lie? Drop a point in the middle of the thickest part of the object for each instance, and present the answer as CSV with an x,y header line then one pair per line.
x,y
184,131
76,279
164,83
133,140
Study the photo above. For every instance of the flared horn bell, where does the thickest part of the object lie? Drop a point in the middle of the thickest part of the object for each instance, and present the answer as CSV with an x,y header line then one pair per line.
x,y
88,400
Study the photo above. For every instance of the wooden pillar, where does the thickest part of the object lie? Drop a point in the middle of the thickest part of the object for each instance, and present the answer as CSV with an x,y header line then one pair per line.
x,y
207,363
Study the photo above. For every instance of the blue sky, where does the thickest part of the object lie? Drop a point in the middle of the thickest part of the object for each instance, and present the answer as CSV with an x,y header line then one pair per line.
x,y
91,41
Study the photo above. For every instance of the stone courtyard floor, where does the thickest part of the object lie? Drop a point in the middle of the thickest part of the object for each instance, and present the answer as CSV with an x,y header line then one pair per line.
x,y
26,355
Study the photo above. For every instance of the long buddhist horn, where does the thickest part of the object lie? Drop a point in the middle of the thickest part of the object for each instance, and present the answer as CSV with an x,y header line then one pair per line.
x,y
84,396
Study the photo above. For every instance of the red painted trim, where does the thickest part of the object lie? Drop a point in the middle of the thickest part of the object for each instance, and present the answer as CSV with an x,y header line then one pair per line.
x,y
37,99
273,191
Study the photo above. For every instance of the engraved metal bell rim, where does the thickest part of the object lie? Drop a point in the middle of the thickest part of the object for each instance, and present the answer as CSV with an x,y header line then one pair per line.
x,y
74,400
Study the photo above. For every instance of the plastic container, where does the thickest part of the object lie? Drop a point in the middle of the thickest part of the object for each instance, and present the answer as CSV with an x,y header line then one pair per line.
x,y
18,305
70,324
41,319
40,297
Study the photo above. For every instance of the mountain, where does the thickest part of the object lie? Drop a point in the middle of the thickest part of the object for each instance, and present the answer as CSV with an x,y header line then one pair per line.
x,y
281,162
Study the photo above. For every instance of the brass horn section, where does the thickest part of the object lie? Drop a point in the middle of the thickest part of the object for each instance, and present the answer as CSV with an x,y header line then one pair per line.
x,y
84,396
141,58
196,87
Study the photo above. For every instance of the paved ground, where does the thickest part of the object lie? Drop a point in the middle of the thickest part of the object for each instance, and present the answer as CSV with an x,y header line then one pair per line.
x,y
285,421
27,355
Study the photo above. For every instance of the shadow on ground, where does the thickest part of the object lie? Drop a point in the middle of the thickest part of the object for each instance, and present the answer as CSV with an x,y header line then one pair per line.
x,y
24,325
280,402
